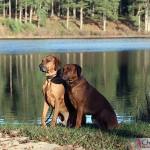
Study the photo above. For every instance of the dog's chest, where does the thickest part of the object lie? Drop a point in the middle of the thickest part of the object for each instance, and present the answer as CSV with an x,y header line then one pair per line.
x,y
73,99
55,89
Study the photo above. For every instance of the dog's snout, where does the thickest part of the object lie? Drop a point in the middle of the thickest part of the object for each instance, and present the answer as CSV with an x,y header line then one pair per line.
x,y
42,68
65,77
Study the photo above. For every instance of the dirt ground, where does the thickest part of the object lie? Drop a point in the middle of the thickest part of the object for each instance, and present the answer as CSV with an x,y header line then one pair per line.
x,y
15,142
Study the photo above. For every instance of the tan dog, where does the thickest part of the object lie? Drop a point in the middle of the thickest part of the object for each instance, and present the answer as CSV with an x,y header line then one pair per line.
x,y
54,93
87,100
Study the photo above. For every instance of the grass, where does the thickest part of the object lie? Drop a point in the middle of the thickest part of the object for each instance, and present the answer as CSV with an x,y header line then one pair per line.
x,y
57,27
87,137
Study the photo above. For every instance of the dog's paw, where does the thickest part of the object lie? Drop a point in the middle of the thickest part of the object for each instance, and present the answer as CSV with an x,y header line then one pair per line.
x,y
64,123
43,124
52,126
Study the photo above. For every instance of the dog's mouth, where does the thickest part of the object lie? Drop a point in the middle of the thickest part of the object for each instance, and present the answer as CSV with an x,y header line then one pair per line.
x,y
43,69
66,77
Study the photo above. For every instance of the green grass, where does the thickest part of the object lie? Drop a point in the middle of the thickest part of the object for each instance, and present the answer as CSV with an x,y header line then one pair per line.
x,y
88,137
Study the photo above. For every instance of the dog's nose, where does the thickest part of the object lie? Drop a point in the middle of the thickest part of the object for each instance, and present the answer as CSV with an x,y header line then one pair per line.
x,y
40,66
65,77
43,68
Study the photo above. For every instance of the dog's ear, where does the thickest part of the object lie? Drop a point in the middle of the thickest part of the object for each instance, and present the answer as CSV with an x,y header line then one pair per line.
x,y
57,64
79,69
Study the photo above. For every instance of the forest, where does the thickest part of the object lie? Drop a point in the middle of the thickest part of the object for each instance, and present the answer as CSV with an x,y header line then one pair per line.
x,y
18,14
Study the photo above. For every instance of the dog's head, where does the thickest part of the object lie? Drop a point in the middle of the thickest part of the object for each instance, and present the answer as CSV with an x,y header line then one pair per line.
x,y
71,72
50,64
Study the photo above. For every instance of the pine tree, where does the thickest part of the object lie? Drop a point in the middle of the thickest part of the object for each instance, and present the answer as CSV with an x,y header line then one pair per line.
x,y
82,5
106,9
16,9
1,6
138,9
9,9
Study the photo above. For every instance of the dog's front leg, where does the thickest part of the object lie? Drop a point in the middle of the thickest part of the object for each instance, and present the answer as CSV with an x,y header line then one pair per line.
x,y
45,110
56,112
79,116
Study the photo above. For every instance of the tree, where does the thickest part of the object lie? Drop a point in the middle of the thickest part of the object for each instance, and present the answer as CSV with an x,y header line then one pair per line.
x,y
82,5
26,9
123,7
2,7
147,16
106,9
16,8
9,9
20,11
138,9
67,5
52,8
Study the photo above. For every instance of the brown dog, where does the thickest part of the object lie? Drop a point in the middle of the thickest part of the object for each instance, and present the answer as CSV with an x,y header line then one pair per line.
x,y
54,93
87,100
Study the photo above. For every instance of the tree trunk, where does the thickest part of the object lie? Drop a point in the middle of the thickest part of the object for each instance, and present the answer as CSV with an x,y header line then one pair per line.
x,y
67,17
31,12
147,18
20,13
9,9
4,13
38,17
52,8
93,9
26,13
59,10
74,13
81,18
16,7
104,23
120,8
139,23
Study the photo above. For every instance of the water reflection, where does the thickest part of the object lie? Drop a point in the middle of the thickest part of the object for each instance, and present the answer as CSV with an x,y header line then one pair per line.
x,y
122,77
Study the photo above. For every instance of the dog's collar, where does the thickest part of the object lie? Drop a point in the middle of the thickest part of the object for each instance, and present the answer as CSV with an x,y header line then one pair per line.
x,y
51,77
74,82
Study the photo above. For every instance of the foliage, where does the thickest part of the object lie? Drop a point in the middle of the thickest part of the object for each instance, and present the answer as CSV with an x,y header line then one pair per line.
x,y
42,16
108,8
93,9
29,26
13,25
136,8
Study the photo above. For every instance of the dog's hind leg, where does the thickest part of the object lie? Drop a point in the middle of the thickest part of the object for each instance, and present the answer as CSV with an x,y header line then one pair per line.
x,y
98,122
109,120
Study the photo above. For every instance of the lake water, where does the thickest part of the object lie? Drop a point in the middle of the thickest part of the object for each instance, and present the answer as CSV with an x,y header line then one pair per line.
x,y
118,68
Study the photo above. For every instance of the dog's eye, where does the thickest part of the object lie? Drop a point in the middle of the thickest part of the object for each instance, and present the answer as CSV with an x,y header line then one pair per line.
x,y
69,70
48,60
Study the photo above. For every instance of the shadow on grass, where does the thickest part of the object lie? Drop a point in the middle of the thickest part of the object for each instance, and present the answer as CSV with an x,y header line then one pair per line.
x,y
123,132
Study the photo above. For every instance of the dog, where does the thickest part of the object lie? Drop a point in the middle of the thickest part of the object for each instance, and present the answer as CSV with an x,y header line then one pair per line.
x,y
54,93
87,100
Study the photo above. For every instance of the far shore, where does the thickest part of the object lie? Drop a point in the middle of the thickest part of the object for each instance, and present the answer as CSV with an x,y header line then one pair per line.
x,y
75,37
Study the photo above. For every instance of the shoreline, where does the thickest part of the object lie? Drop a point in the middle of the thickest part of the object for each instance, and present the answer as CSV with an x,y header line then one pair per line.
x,y
74,37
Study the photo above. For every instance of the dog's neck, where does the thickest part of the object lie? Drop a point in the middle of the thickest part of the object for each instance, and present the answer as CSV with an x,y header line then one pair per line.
x,y
74,82
49,77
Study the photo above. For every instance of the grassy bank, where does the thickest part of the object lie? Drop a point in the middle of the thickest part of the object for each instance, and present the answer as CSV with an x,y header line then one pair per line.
x,y
87,137
56,28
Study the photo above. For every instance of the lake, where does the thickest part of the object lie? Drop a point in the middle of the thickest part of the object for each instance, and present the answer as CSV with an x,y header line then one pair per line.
x,y
118,68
